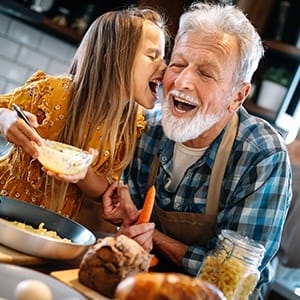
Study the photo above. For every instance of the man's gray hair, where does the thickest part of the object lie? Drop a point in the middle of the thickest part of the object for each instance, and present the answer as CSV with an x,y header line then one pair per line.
x,y
212,19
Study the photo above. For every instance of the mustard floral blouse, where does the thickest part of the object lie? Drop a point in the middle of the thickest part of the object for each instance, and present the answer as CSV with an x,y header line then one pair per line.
x,y
21,177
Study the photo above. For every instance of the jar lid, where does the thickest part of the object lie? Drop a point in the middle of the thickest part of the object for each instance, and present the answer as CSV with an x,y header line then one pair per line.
x,y
242,246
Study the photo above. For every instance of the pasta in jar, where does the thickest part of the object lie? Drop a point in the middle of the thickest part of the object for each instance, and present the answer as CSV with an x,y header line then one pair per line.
x,y
233,266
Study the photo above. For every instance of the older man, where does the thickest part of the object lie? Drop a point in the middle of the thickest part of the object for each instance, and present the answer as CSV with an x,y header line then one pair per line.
x,y
218,167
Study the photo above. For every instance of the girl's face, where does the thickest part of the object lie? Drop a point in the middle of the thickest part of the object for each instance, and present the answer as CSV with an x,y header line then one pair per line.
x,y
149,65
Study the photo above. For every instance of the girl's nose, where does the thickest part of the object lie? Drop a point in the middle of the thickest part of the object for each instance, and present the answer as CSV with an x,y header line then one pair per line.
x,y
162,66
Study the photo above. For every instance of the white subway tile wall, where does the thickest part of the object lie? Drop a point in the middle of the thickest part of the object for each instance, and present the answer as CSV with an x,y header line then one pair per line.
x,y
25,49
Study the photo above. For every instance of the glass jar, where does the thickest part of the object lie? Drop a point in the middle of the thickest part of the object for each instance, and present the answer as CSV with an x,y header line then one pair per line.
x,y
233,265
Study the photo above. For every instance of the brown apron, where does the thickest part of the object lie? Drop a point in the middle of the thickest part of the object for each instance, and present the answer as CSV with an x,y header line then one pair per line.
x,y
195,228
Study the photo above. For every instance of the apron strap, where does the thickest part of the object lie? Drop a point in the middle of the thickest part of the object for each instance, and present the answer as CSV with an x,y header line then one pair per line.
x,y
220,163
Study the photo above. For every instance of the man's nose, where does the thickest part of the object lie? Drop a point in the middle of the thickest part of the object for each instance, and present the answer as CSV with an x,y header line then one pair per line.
x,y
185,79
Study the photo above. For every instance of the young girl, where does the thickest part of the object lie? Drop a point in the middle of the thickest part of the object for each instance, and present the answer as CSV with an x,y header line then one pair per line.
x,y
116,69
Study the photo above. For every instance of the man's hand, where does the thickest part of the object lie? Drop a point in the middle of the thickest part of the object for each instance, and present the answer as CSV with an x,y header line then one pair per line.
x,y
118,208
141,233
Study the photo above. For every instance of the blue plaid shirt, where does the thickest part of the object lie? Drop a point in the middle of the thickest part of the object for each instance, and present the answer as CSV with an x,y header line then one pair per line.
x,y
256,189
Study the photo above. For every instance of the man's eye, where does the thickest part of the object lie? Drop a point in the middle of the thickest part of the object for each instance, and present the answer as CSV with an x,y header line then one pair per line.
x,y
205,74
176,65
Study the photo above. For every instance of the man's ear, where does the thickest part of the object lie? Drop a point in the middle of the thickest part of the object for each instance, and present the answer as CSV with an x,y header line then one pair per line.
x,y
240,96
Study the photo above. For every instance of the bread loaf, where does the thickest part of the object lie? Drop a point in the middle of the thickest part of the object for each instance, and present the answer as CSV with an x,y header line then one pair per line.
x,y
109,261
166,286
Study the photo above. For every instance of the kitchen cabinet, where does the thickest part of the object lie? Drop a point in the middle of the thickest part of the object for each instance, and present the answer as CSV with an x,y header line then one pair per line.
x,y
280,31
287,118
38,20
45,21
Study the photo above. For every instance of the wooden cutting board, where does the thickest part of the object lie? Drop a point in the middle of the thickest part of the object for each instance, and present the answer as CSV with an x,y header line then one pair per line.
x,y
11,256
70,277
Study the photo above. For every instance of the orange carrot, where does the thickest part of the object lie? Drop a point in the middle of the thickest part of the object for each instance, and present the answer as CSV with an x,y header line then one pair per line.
x,y
146,212
145,215
154,261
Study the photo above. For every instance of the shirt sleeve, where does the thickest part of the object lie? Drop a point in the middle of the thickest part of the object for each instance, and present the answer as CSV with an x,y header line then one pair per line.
x,y
5,100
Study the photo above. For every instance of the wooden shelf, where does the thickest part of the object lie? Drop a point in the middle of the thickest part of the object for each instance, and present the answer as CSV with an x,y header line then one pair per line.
x,y
63,31
39,21
287,49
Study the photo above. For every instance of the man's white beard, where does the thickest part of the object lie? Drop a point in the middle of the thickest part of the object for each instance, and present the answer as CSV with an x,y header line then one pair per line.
x,y
184,129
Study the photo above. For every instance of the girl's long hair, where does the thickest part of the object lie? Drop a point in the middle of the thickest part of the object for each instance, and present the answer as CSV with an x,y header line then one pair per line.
x,y
102,71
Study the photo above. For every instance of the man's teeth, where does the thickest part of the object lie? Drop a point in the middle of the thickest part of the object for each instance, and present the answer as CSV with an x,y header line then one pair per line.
x,y
183,105
183,101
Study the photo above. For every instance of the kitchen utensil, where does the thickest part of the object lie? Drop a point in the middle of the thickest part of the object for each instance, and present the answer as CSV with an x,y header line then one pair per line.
x,y
62,158
21,114
12,275
38,245
59,157
5,147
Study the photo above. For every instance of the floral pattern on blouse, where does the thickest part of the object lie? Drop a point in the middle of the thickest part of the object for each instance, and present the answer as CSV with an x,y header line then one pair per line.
x,y
21,177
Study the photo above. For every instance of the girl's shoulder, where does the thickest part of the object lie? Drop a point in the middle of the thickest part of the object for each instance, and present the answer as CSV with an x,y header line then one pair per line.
x,y
48,97
51,83
40,75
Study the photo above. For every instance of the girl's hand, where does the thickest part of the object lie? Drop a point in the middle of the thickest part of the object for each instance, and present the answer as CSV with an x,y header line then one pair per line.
x,y
67,178
18,132
71,178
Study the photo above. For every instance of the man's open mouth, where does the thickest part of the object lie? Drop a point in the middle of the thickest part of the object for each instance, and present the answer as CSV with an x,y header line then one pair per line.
x,y
182,105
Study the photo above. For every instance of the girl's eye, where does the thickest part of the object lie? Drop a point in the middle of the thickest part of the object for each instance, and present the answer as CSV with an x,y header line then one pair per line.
x,y
153,56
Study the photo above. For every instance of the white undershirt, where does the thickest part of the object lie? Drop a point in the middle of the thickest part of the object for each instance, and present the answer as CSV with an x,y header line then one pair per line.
x,y
184,157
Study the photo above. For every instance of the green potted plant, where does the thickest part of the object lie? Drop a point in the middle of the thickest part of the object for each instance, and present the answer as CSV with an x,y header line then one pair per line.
x,y
275,82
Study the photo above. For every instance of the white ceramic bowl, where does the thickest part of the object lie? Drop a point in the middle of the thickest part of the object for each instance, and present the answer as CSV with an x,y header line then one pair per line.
x,y
62,158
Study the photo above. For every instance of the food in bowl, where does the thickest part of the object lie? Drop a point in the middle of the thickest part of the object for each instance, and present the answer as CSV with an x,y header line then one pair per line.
x,y
62,158
41,230
36,244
